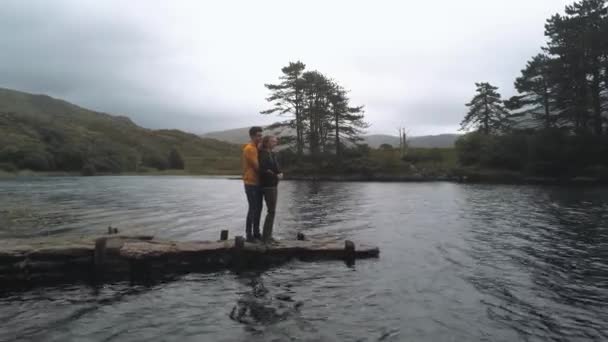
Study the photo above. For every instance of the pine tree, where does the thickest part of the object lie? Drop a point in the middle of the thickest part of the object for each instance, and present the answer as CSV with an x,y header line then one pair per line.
x,y
577,41
347,121
316,113
487,112
570,83
321,108
287,99
175,160
590,17
535,101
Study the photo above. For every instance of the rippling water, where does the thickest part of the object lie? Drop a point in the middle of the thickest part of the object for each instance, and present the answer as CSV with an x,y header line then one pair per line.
x,y
458,263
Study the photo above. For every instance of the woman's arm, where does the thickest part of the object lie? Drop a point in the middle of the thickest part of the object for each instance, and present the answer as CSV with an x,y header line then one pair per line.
x,y
265,163
277,166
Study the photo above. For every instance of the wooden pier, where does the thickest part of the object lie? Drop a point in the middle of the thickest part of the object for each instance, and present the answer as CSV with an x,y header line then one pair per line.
x,y
143,258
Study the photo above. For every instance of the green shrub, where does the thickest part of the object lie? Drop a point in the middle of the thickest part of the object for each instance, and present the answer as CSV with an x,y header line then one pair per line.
x,y
12,155
88,170
175,160
358,151
468,148
8,167
546,152
36,161
145,169
287,158
598,171
421,155
69,158
156,161
504,152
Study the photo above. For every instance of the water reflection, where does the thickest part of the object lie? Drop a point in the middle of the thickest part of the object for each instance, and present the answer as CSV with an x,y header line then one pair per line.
x,y
328,210
540,251
315,205
258,307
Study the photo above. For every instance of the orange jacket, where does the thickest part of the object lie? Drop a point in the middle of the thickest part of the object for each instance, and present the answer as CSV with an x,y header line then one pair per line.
x,y
249,160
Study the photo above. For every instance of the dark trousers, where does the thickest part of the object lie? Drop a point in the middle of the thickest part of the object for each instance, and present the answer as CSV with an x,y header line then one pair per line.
x,y
255,199
270,196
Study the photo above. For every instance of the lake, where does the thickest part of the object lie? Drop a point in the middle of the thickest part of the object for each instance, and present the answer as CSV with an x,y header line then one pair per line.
x,y
458,262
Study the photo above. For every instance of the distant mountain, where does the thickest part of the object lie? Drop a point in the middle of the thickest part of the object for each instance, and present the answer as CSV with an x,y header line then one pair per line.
x,y
375,140
41,133
241,136
236,135
424,141
429,141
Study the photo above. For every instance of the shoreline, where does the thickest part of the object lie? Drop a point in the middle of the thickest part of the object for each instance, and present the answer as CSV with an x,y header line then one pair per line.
x,y
464,178
29,173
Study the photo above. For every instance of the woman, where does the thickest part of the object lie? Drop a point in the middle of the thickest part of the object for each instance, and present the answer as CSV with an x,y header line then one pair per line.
x,y
270,174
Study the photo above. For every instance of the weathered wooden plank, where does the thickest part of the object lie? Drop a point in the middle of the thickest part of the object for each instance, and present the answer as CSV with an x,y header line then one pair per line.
x,y
61,252
123,256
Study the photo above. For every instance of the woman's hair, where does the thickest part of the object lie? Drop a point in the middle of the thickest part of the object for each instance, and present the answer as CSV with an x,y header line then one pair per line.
x,y
266,141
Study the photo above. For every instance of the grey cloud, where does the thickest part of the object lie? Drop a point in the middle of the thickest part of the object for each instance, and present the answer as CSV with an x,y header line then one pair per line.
x,y
201,66
97,62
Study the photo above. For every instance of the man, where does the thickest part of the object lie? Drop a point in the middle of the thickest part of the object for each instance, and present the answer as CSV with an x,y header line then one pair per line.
x,y
251,178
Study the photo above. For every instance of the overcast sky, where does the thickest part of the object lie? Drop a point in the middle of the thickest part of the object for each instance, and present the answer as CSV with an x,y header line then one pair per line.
x,y
201,65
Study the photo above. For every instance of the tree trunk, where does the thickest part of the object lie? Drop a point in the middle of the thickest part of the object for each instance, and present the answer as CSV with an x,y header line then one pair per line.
x,y
605,88
596,102
486,117
313,135
298,132
299,128
546,105
338,151
317,128
582,99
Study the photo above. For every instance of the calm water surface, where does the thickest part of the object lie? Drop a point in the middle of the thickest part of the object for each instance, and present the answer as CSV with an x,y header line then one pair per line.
x,y
458,263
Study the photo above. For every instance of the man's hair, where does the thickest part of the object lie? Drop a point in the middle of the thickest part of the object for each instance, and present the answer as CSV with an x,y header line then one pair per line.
x,y
254,130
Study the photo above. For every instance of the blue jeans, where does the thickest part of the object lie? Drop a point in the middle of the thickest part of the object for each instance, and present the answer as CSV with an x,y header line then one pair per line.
x,y
255,199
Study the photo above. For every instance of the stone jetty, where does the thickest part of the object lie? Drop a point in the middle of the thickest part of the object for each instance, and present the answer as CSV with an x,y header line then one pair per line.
x,y
143,258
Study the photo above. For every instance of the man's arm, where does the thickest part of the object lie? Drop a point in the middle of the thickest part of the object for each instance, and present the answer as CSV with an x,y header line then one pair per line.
x,y
251,158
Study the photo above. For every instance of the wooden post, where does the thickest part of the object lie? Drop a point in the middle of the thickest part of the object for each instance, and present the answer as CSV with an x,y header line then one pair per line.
x,y
349,248
239,242
238,255
301,237
100,251
349,252
400,144
140,271
404,143
224,235
99,258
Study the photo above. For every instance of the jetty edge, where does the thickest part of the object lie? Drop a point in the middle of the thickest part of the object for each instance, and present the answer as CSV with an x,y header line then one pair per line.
x,y
143,257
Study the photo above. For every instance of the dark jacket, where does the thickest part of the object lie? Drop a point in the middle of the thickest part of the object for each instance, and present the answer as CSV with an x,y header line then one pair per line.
x,y
268,162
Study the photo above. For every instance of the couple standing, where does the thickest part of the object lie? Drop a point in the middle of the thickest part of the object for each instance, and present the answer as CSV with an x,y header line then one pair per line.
x,y
261,175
